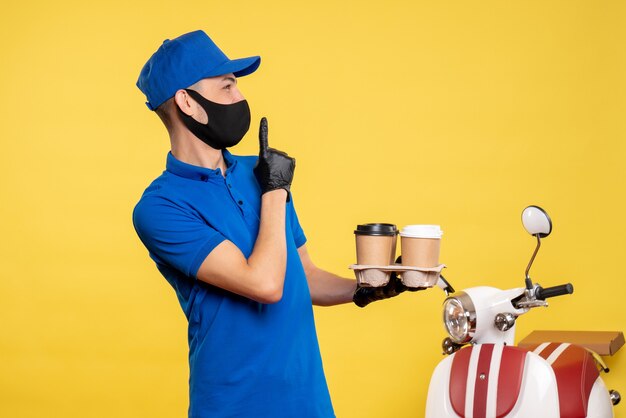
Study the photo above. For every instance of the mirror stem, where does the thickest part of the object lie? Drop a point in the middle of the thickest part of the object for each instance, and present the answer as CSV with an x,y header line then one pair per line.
x,y
529,283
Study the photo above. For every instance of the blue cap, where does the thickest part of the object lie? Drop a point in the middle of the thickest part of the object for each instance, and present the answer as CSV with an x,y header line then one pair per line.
x,y
181,62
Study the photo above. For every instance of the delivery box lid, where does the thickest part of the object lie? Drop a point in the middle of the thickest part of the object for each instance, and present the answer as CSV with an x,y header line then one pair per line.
x,y
605,343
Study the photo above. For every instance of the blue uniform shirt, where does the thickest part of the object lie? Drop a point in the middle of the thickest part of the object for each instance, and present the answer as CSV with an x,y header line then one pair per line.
x,y
246,359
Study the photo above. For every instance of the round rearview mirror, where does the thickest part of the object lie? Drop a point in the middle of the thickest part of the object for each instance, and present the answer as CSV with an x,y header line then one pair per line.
x,y
536,221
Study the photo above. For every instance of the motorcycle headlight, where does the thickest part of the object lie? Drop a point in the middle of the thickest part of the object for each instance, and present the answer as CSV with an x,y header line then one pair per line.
x,y
459,317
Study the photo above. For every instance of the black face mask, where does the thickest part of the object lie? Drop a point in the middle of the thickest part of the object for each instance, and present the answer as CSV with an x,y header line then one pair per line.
x,y
227,123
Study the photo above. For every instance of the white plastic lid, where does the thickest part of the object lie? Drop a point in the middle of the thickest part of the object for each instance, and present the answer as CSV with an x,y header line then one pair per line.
x,y
422,231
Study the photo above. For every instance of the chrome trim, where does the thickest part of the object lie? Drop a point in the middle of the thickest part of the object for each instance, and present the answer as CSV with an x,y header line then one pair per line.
x,y
470,313
450,347
615,397
530,263
504,321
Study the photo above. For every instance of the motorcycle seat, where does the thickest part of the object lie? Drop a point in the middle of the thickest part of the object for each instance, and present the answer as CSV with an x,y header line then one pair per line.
x,y
576,373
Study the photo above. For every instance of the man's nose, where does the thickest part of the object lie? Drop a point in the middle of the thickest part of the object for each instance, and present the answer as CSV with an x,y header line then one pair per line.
x,y
237,96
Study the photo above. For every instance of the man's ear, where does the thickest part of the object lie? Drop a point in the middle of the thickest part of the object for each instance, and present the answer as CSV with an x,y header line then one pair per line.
x,y
190,107
184,102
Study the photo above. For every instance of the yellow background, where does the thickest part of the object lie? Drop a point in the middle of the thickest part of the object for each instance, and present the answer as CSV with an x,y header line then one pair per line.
x,y
450,112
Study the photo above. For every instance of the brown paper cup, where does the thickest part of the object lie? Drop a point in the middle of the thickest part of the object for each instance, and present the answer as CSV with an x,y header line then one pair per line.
x,y
373,248
420,252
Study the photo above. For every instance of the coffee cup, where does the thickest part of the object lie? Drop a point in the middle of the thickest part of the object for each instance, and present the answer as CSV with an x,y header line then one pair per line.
x,y
420,248
375,246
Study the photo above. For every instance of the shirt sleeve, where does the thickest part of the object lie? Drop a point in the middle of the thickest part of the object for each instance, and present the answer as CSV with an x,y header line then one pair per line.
x,y
298,234
173,235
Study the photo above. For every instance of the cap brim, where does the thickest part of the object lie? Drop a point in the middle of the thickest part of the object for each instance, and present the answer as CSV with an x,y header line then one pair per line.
x,y
239,67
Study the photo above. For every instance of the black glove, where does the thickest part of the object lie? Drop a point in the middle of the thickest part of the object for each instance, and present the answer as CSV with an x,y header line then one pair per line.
x,y
363,296
274,169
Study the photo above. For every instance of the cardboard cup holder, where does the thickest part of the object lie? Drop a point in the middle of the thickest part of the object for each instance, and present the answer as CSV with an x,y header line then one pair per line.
x,y
413,277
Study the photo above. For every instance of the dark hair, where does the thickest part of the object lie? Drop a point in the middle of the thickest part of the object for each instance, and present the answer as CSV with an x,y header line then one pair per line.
x,y
165,112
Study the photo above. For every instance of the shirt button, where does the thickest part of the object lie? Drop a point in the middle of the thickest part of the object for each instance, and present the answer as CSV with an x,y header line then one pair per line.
x,y
230,185
240,202
204,178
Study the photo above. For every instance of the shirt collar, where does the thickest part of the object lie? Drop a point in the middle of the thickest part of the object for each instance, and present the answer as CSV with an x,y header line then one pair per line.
x,y
194,172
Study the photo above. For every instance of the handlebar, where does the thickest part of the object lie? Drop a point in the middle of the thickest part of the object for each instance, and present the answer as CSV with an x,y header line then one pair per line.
x,y
550,292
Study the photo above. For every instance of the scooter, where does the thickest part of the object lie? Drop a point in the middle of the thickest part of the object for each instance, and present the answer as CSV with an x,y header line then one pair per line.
x,y
486,376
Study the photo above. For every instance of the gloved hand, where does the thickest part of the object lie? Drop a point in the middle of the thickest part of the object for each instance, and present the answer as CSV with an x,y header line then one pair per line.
x,y
363,296
274,169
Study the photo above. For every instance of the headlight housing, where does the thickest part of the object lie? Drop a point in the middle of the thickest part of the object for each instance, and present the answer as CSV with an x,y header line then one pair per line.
x,y
459,317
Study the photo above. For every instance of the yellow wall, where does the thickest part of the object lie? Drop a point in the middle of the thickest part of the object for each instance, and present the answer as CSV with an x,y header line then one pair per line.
x,y
457,113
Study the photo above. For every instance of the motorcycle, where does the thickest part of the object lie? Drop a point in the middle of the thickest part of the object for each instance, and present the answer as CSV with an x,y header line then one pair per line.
x,y
486,376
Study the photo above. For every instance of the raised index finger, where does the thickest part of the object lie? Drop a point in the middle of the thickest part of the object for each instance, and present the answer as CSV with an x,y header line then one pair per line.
x,y
263,136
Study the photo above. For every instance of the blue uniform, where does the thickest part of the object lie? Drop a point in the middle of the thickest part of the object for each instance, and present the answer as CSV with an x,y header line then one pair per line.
x,y
246,359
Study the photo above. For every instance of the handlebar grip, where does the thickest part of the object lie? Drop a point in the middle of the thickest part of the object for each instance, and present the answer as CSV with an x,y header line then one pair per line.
x,y
550,292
